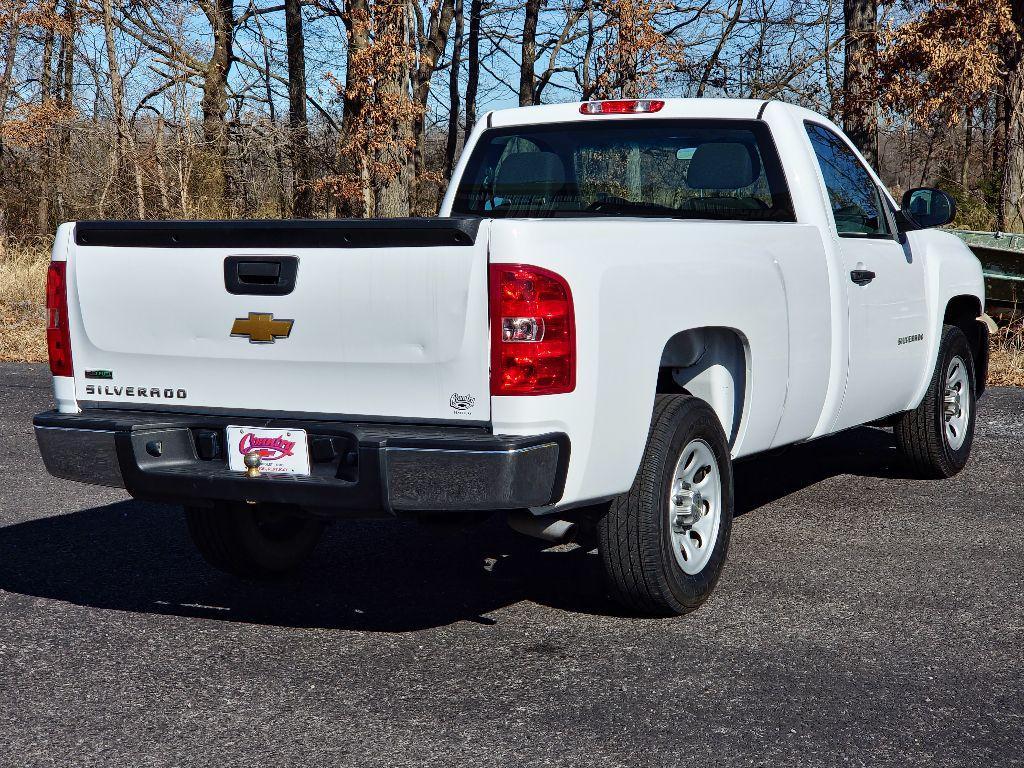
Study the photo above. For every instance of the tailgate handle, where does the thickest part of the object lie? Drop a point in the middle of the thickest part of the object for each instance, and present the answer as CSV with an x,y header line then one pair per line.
x,y
260,275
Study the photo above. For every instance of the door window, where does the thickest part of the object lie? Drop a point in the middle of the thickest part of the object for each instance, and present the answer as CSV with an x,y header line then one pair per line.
x,y
856,202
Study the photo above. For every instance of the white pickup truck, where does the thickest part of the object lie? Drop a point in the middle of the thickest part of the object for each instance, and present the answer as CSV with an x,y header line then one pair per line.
x,y
618,300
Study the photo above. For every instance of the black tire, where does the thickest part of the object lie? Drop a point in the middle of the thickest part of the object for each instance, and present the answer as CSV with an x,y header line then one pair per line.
x,y
263,543
634,535
921,433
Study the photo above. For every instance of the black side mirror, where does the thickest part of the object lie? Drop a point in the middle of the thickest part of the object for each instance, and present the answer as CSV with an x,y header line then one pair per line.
x,y
929,207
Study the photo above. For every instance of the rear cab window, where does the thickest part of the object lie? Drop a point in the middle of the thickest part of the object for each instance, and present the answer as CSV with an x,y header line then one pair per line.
x,y
685,169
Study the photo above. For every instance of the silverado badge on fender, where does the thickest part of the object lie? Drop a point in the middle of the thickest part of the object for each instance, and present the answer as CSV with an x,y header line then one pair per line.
x,y
261,328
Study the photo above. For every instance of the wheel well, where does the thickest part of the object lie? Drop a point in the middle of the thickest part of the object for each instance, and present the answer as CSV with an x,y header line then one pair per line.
x,y
711,364
963,312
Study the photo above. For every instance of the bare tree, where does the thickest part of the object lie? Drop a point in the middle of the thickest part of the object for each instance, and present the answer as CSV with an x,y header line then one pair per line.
x,y
120,136
221,17
302,172
44,170
528,53
454,99
216,108
12,36
1012,208
860,94
431,41
476,10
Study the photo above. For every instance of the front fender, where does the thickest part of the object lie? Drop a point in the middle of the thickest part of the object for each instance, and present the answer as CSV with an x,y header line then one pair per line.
x,y
951,270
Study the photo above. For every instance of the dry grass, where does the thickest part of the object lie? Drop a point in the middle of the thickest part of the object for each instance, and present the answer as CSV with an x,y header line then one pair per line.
x,y
1006,365
23,317
22,302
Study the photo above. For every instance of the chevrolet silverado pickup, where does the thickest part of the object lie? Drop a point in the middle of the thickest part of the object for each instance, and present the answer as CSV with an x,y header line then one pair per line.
x,y
617,300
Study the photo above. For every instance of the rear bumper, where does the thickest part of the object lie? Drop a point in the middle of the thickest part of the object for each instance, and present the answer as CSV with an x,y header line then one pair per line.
x,y
359,468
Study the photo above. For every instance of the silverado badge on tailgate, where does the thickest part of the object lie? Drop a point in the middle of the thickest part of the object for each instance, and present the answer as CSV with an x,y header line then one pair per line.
x,y
261,328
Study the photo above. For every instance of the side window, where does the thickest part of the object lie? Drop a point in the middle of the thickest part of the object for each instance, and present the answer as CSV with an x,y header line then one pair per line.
x,y
856,202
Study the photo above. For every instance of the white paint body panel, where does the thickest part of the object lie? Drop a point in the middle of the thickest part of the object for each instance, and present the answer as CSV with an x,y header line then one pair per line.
x,y
645,282
393,333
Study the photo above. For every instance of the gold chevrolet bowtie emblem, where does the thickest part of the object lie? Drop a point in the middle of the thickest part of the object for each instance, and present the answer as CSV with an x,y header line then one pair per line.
x,y
261,328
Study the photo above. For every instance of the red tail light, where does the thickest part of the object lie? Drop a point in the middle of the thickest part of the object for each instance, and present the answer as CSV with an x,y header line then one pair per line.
x,y
58,335
533,332
621,107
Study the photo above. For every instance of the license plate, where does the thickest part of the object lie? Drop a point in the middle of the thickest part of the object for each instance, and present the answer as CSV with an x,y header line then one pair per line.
x,y
281,451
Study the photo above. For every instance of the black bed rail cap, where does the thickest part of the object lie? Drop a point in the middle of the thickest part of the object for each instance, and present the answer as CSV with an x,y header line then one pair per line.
x,y
281,233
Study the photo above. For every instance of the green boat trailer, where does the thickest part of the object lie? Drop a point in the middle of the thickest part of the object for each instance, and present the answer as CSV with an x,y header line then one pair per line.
x,y
1002,261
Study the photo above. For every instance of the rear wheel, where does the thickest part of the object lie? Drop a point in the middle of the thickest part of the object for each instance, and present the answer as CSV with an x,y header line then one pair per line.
x,y
936,437
664,542
254,542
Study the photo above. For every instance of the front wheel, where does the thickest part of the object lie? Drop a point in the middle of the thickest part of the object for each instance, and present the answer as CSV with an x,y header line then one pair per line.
x,y
936,437
664,542
253,542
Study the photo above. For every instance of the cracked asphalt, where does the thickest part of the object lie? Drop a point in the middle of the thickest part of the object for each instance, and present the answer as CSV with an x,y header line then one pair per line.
x,y
863,619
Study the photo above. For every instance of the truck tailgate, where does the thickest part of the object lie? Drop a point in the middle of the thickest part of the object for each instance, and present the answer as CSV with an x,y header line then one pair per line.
x,y
386,319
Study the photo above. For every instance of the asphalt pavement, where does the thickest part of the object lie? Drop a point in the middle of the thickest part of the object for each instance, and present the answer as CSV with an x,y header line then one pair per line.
x,y
864,618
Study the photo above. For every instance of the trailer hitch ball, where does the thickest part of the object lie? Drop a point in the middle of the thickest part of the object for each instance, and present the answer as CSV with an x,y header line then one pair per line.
x,y
252,463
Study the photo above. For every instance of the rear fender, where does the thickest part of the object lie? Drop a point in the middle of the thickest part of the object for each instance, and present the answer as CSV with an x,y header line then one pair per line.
x,y
711,364
635,287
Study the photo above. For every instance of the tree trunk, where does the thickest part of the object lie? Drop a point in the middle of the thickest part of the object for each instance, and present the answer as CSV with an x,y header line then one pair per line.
x,y
628,46
67,52
302,174
528,60
587,86
860,95
12,35
999,154
473,64
283,204
965,168
140,191
933,136
451,148
432,45
393,197
161,176
66,87
45,166
986,139
1012,207
214,104
1013,175
352,165
117,105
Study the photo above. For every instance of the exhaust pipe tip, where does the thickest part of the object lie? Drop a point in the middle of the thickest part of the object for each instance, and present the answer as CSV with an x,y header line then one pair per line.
x,y
544,527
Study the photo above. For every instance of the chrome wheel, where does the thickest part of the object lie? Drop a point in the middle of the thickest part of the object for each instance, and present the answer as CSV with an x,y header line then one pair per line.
x,y
956,403
695,506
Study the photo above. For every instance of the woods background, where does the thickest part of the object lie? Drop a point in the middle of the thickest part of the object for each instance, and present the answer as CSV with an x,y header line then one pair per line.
x,y
324,108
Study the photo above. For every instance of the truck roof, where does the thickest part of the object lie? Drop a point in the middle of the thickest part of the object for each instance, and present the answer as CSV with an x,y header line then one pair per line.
x,y
561,113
